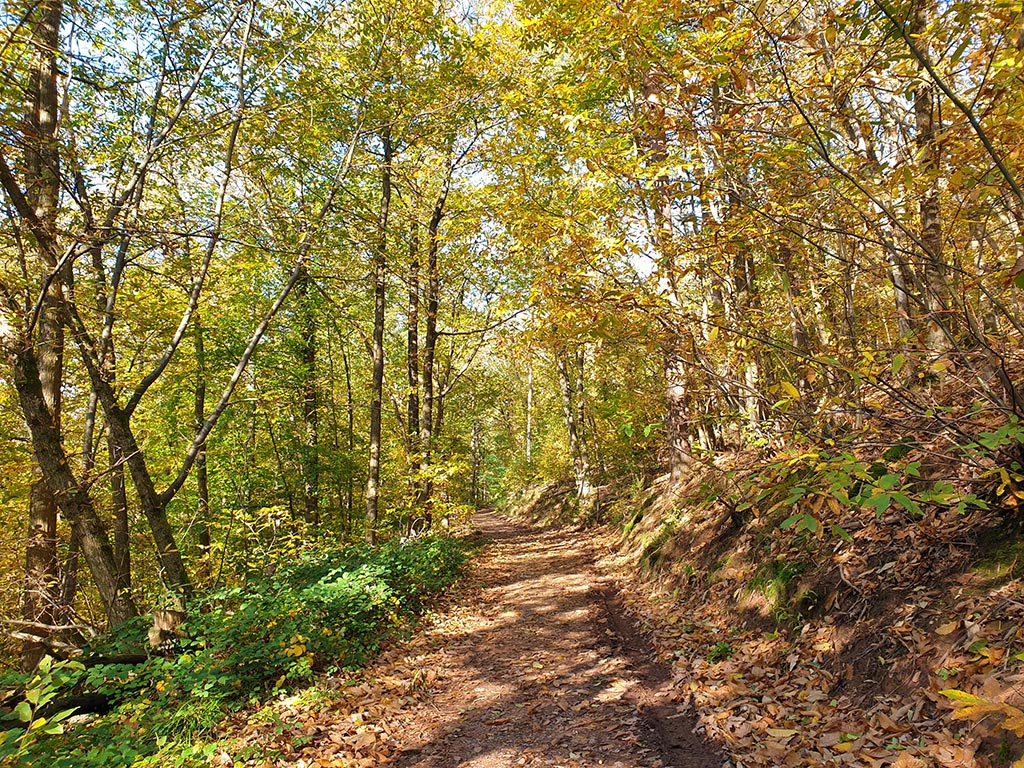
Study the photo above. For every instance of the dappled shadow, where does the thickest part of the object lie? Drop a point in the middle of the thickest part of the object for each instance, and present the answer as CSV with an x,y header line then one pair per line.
x,y
545,671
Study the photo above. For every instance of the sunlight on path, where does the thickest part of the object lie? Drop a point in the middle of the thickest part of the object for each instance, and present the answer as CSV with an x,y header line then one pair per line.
x,y
530,671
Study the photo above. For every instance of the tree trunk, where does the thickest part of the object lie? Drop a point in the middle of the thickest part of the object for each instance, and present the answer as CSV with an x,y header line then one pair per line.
x,y
427,405
529,413
377,397
310,401
412,357
350,412
202,477
122,533
899,269
41,590
589,505
69,494
574,429
933,270
42,179
655,137
118,488
475,463
799,335
152,504
680,455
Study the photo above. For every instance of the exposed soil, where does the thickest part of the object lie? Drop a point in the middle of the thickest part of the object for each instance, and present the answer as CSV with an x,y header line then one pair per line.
x,y
538,665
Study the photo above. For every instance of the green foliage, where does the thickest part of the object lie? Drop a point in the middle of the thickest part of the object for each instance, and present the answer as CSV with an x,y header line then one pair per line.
x,y
326,610
814,483
773,580
995,440
49,678
652,551
720,651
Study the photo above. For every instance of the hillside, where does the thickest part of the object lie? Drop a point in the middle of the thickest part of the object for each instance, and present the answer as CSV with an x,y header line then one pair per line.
x,y
802,631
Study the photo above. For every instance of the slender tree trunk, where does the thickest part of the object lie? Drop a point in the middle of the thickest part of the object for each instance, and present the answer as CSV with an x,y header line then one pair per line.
x,y
428,405
680,455
899,269
69,580
475,461
412,357
377,398
574,429
122,532
938,319
655,139
282,471
202,476
351,419
580,401
898,274
588,499
118,489
986,308
310,401
799,335
118,486
529,412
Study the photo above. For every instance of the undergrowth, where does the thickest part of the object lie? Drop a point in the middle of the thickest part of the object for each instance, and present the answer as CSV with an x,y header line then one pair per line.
x,y
326,612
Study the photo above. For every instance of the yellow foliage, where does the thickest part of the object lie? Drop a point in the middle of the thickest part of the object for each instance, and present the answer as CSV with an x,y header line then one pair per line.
x,y
296,650
977,708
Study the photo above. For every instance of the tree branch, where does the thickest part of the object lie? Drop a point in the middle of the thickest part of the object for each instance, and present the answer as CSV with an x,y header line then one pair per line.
x,y
979,130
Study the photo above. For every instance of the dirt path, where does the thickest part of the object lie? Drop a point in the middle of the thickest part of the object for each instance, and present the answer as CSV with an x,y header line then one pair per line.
x,y
537,666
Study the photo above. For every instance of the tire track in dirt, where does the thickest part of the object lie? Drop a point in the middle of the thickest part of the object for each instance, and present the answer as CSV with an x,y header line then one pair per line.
x,y
538,665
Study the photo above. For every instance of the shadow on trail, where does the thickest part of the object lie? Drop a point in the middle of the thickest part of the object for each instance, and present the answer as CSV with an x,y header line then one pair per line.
x,y
552,673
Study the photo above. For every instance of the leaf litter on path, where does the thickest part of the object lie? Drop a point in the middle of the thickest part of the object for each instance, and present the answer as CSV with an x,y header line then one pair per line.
x,y
532,664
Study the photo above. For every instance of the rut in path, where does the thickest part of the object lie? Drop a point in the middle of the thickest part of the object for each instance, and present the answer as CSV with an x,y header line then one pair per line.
x,y
539,667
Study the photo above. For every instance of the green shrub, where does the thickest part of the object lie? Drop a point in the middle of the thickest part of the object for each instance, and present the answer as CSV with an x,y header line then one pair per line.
x,y
326,610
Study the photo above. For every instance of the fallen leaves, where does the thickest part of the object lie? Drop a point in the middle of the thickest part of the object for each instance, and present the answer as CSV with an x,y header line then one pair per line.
x,y
858,682
343,722
860,686
518,672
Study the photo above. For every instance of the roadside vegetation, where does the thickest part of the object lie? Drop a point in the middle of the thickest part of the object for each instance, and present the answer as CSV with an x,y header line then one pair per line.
x,y
324,614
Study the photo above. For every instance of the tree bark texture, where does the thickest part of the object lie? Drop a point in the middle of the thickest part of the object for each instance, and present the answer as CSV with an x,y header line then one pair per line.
x,y
42,191
655,138
571,411
310,400
933,270
412,356
427,404
202,475
68,492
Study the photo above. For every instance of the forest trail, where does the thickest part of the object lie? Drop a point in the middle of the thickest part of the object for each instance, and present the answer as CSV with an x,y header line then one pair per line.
x,y
537,666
